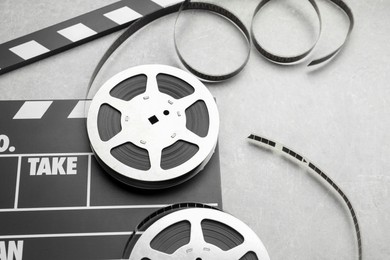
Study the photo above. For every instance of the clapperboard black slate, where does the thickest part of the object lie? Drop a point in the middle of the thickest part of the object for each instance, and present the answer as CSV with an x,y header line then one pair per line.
x,y
55,200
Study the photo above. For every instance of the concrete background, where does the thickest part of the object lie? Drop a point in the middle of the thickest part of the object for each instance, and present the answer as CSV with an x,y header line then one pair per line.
x,y
337,116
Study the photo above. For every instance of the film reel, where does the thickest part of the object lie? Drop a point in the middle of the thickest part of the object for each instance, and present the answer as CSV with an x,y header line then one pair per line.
x,y
153,126
196,232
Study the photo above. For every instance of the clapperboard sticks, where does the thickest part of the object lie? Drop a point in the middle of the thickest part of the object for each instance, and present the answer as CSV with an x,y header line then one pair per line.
x,y
44,43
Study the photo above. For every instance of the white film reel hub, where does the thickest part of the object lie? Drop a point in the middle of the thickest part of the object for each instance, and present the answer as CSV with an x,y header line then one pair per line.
x,y
154,120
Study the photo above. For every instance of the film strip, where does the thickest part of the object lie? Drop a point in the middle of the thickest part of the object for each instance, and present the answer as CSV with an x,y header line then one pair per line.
x,y
63,36
186,5
297,158
289,60
153,126
194,231
282,59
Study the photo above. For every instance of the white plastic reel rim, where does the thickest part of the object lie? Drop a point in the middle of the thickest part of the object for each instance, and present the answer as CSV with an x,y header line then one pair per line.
x,y
197,248
137,129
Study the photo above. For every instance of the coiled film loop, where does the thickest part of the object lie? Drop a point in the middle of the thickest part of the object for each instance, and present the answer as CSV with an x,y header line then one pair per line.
x,y
286,60
188,5
345,8
283,59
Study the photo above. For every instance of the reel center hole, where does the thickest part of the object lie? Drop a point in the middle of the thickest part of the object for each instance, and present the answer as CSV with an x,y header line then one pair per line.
x,y
153,119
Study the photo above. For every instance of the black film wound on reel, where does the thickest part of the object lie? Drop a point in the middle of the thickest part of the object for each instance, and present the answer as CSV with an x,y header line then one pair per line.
x,y
302,161
193,231
153,126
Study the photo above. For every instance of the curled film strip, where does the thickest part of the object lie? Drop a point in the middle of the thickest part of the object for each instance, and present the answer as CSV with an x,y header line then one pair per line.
x,y
153,126
186,5
292,59
277,58
297,158
196,232
79,30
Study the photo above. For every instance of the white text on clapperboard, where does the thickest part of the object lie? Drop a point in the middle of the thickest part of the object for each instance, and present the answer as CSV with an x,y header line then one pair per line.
x,y
11,250
53,166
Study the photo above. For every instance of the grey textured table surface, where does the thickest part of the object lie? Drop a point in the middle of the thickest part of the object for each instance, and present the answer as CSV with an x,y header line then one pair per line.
x,y
337,116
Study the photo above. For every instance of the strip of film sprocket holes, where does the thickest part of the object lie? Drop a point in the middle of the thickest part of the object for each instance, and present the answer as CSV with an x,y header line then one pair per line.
x,y
297,158
55,200
41,44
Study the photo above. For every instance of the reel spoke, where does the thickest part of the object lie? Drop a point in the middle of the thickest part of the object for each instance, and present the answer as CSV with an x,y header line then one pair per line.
x,y
191,137
151,84
155,158
116,103
119,139
237,252
185,102
196,231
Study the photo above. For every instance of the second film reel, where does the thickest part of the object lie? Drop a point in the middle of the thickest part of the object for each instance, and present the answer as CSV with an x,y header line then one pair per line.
x,y
153,126
194,231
